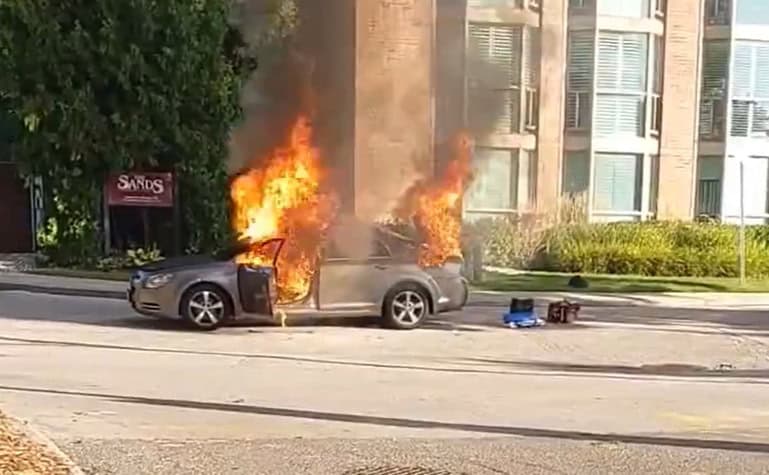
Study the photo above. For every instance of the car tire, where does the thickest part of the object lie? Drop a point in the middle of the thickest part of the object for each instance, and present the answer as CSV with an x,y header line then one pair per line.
x,y
205,307
406,307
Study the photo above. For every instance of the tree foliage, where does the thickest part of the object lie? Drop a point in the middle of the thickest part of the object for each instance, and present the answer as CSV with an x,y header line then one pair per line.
x,y
107,85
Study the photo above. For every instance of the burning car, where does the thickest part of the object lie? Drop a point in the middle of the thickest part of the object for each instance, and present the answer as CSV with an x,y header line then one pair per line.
x,y
207,292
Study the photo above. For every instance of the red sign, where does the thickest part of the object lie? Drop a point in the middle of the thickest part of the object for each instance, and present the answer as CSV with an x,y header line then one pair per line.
x,y
141,189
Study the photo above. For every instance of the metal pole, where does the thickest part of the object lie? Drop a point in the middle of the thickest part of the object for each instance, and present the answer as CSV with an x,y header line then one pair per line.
x,y
742,222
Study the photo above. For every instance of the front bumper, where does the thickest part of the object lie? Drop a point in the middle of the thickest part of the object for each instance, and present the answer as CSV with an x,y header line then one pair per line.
x,y
151,302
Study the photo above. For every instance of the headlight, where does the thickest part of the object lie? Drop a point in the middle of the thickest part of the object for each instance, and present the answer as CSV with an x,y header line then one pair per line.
x,y
157,281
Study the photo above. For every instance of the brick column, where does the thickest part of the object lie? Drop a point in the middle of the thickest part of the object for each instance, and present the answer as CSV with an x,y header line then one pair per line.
x,y
680,106
551,103
394,94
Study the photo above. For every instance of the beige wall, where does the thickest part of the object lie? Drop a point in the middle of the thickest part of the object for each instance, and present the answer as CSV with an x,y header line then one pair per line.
x,y
393,100
680,93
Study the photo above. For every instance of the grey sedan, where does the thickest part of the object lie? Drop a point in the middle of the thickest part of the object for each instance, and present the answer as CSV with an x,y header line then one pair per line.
x,y
207,292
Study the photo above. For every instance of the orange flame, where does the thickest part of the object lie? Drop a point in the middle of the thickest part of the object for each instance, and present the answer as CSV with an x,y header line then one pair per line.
x,y
434,206
282,199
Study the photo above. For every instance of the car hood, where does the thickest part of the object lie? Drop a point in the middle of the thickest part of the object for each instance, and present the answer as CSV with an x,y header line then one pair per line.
x,y
177,263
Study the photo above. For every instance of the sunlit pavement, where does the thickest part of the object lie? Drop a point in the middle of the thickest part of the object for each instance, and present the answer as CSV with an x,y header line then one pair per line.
x,y
685,381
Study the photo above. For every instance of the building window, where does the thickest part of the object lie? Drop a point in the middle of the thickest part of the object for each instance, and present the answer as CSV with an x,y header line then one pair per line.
x,y
750,90
718,12
579,80
709,173
494,77
752,12
576,173
580,4
617,184
756,181
621,95
531,78
624,8
495,186
654,183
715,68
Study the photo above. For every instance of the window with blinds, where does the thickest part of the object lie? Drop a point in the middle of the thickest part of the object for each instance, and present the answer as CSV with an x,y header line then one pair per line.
x,y
617,183
495,184
624,8
654,183
495,70
715,70
750,89
752,12
576,173
531,77
718,12
621,82
579,81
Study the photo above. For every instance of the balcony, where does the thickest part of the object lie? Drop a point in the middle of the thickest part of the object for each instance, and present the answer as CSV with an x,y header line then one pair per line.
x,y
718,12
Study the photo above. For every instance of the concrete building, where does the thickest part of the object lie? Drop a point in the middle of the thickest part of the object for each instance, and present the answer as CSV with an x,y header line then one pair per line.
x,y
645,107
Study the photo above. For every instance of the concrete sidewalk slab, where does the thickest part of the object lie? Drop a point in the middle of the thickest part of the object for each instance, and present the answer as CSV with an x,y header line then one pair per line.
x,y
63,285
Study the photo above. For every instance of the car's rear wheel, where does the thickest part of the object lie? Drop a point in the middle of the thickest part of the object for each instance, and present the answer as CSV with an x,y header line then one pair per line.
x,y
405,307
205,307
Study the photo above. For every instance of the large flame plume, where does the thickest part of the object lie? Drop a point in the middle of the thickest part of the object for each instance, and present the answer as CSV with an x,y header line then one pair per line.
x,y
281,198
434,206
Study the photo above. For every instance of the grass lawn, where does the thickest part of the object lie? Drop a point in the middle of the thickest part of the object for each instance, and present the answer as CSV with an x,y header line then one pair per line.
x,y
554,282
119,275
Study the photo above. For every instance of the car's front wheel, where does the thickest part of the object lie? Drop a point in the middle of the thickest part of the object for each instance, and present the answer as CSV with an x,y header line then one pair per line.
x,y
405,307
205,307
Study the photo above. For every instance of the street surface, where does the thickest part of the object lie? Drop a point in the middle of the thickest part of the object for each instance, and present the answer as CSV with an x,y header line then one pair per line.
x,y
629,389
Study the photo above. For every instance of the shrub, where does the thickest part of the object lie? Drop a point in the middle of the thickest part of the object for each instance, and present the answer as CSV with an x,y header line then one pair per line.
x,y
653,248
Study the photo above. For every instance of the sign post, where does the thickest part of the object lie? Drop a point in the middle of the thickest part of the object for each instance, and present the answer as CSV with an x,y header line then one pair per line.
x,y
138,189
742,222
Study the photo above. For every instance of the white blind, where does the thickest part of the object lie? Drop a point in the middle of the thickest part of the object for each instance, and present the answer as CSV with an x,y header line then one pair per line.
x,y
531,58
579,82
580,60
756,177
617,114
499,46
622,60
750,89
617,182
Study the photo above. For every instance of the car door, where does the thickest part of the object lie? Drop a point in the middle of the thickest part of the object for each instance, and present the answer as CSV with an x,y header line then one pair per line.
x,y
352,285
257,288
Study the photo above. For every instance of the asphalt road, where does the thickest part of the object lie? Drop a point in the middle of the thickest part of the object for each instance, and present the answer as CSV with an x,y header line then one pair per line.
x,y
628,390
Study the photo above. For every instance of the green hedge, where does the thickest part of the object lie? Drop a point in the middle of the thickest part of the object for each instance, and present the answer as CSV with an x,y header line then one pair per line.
x,y
651,249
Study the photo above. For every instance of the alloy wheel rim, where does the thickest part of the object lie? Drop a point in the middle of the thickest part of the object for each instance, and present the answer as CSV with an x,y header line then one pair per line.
x,y
206,308
409,307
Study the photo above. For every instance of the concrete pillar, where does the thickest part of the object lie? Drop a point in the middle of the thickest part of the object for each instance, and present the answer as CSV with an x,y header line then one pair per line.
x,y
680,96
394,94
552,101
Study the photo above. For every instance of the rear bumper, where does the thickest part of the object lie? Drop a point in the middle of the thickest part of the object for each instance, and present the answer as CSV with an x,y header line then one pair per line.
x,y
454,295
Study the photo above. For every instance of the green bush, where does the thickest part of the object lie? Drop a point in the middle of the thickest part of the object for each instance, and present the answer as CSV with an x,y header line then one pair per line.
x,y
651,249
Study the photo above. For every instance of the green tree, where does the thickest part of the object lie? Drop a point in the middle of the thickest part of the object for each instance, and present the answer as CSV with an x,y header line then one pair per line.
x,y
107,85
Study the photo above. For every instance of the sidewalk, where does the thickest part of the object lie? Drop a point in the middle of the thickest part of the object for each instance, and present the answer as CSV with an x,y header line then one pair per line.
x,y
117,290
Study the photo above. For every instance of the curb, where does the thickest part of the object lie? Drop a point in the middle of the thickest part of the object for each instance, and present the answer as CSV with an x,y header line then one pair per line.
x,y
42,440
66,291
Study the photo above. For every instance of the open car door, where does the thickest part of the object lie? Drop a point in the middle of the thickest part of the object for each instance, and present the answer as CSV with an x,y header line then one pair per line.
x,y
257,284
